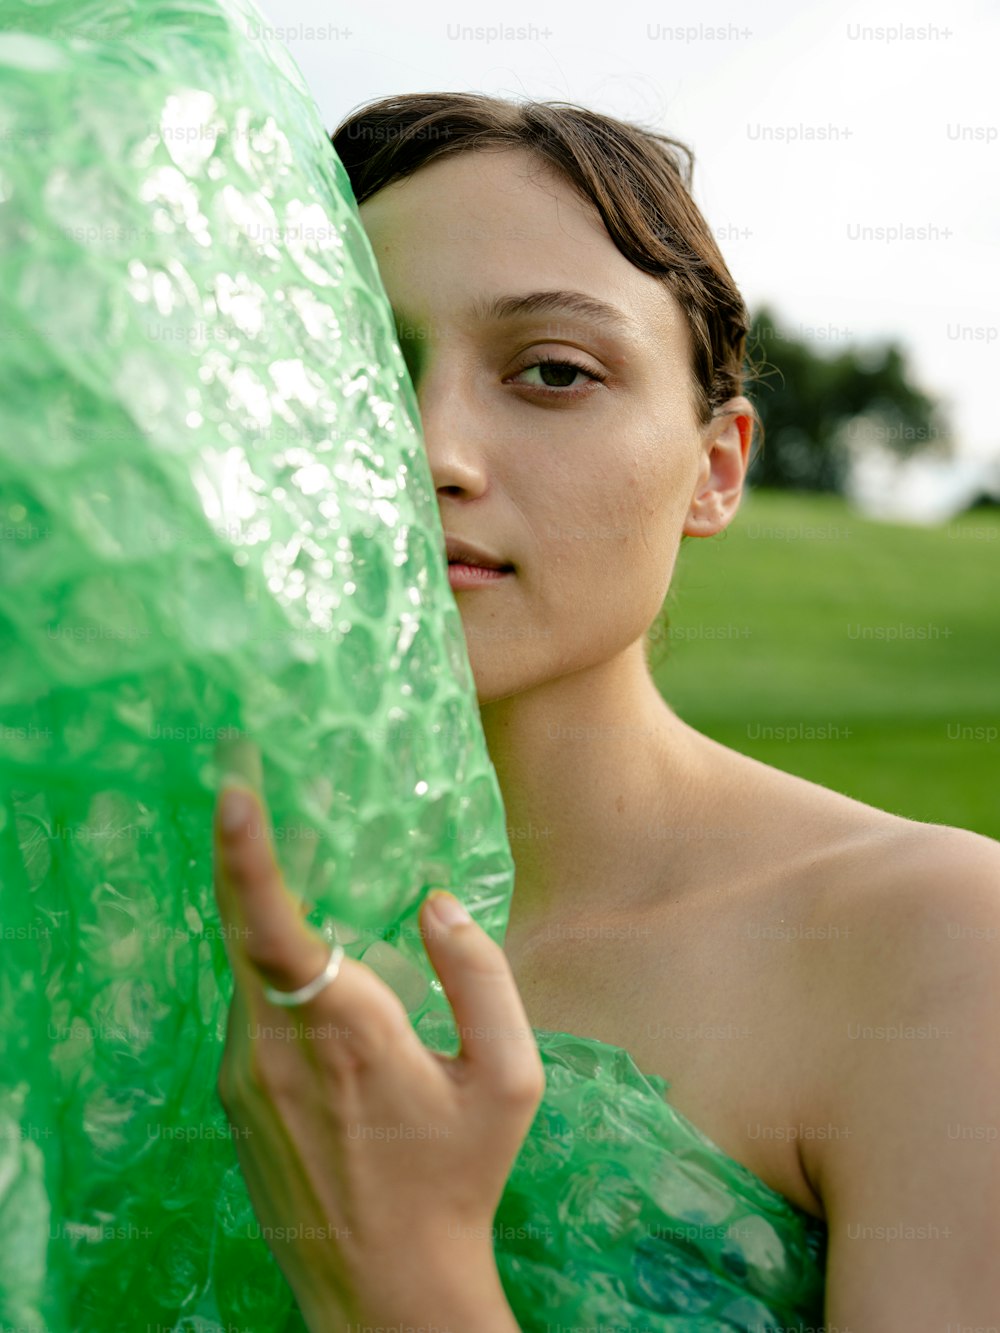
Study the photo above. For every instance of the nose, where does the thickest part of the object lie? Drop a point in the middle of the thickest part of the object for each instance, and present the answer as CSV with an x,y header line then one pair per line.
x,y
454,428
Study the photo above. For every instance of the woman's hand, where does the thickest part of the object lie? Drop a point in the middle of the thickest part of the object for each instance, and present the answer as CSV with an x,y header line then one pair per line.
x,y
375,1165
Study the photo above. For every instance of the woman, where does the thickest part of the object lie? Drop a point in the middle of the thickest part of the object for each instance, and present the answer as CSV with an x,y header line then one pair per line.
x,y
577,343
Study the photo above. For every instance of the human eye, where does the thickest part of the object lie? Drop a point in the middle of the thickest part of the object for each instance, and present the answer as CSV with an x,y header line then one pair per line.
x,y
563,372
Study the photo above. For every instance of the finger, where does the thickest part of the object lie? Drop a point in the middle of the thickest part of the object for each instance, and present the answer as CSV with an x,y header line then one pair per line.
x,y
497,1040
237,756
275,939
238,759
278,947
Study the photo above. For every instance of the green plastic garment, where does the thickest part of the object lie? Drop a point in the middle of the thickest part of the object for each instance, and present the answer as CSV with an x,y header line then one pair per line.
x,y
217,521
621,1215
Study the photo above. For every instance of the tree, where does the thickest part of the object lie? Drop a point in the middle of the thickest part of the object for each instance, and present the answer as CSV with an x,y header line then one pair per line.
x,y
818,407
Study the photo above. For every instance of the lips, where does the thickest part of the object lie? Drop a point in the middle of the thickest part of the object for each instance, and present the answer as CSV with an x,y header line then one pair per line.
x,y
464,553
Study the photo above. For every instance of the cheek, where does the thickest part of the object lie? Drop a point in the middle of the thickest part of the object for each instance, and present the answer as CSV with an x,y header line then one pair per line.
x,y
665,479
611,540
605,520
644,507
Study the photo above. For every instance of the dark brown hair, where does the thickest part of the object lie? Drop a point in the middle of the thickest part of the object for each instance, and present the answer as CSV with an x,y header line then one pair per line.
x,y
638,180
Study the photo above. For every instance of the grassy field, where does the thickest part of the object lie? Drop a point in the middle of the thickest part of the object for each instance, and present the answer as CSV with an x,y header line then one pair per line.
x,y
864,656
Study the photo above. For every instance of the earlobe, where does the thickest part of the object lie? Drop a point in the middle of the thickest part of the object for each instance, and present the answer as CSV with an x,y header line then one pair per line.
x,y
727,442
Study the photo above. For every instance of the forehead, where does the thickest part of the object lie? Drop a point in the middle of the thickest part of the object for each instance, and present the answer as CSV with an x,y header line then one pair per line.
x,y
479,225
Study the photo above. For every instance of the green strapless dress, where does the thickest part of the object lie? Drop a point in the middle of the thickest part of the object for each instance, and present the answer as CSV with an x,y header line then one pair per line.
x,y
621,1216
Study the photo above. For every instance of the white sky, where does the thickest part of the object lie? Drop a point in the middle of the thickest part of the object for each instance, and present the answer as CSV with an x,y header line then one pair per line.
x,y
923,150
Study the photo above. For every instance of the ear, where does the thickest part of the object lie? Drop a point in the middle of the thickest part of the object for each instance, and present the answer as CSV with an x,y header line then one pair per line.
x,y
726,441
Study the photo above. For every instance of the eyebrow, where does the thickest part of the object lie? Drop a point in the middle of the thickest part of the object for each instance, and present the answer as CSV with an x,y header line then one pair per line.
x,y
554,302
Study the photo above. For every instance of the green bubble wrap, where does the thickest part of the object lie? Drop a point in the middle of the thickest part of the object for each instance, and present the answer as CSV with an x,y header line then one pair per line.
x,y
217,521
621,1216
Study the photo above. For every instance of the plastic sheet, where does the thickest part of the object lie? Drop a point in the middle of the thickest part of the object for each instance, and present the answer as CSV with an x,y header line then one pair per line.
x,y
620,1215
217,521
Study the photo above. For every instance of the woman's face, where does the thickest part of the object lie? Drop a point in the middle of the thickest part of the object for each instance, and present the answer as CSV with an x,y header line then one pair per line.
x,y
581,476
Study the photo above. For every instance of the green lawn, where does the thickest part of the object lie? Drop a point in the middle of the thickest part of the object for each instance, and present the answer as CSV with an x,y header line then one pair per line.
x,y
883,639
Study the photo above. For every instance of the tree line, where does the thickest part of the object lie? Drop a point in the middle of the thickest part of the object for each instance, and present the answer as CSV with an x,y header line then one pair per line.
x,y
820,404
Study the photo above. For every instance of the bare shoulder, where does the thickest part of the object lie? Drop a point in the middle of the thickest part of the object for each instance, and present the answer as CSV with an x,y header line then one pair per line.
x,y
898,1002
898,873
895,889
920,909
900,890
905,1069
864,859
863,954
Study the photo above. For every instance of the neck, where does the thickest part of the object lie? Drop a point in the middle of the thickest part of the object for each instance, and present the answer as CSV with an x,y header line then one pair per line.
x,y
596,772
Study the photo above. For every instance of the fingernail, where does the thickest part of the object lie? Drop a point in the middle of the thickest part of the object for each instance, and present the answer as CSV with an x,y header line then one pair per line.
x,y
447,910
235,807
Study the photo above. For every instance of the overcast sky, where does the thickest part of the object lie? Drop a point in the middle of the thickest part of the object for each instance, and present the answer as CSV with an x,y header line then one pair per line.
x,y
847,154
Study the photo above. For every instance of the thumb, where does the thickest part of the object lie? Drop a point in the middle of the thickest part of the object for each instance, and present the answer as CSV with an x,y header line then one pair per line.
x,y
496,1038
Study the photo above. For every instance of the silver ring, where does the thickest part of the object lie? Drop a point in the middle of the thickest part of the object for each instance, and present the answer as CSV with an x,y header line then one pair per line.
x,y
288,999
